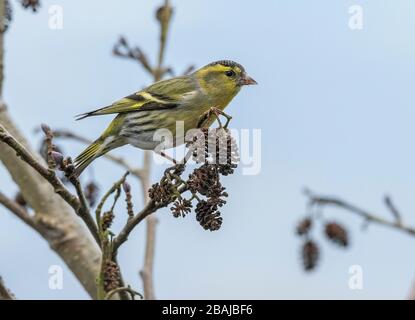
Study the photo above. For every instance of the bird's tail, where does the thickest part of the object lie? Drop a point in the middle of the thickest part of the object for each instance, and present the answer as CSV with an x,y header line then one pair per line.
x,y
93,151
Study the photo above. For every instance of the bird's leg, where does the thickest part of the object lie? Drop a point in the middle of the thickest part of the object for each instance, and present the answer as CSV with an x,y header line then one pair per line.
x,y
213,111
218,112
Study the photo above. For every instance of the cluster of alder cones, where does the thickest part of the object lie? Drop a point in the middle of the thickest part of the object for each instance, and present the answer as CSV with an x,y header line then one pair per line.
x,y
310,251
217,155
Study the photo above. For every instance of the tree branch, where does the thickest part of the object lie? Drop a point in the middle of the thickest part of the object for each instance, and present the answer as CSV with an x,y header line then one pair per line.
x,y
164,14
55,219
132,223
79,206
393,210
147,272
143,174
397,224
322,200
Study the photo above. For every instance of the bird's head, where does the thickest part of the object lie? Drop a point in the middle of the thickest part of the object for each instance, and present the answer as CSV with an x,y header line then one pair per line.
x,y
224,75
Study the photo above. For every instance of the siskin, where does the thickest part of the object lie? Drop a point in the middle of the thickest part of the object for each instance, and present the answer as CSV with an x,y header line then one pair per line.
x,y
159,106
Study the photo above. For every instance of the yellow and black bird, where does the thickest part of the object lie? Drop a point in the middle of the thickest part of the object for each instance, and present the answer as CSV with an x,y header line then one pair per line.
x,y
162,104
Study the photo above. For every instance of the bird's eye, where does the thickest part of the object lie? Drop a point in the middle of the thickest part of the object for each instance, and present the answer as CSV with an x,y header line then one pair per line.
x,y
230,73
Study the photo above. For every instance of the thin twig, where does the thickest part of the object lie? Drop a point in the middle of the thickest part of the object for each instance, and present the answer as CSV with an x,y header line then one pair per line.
x,y
141,174
106,242
83,210
122,49
132,223
101,203
393,210
164,14
367,216
51,177
321,200
150,208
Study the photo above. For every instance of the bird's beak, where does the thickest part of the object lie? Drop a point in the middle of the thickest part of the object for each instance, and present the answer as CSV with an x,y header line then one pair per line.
x,y
247,80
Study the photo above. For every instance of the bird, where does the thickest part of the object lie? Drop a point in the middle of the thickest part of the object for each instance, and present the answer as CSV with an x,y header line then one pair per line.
x,y
161,105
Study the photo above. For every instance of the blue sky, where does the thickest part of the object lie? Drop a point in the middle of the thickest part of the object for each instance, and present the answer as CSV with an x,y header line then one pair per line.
x,y
335,108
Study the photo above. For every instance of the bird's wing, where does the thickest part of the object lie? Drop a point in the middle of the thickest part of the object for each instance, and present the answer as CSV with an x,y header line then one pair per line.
x,y
166,94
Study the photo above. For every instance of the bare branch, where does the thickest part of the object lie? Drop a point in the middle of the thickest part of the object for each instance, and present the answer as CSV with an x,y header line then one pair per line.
x,y
109,280
83,209
115,186
143,176
132,223
321,200
51,177
163,15
122,49
393,210
57,223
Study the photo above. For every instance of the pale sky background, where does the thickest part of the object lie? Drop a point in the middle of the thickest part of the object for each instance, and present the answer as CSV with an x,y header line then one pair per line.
x,y
336,111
